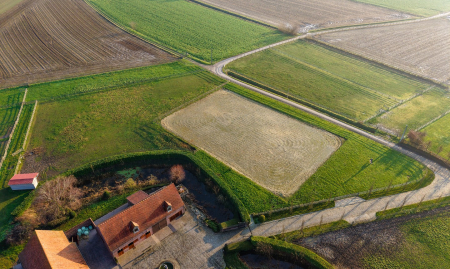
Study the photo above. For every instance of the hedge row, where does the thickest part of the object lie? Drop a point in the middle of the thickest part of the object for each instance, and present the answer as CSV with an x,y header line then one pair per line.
x,y
303,102
295,250
167,157
24,205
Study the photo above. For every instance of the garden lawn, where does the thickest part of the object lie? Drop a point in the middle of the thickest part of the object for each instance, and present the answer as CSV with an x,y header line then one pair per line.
x,y
417,112
417,7
346,171
353,88
424,245
187,27
93,126
438,133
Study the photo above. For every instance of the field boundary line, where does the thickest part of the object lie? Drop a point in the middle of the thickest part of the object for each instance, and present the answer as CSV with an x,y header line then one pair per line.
x,y
433,120
201,96
211,6
112,87
24,145
392,68
326,72
110,20
334,199
14,128
399,104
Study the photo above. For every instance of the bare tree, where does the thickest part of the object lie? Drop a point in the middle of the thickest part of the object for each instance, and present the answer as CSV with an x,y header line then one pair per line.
x,y
417,138
177,174
55,197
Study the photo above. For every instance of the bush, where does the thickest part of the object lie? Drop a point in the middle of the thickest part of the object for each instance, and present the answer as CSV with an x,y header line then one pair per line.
x,y
26,203
72,214
19,234
213,225
261,218
129,184
239,246
106,195
177,174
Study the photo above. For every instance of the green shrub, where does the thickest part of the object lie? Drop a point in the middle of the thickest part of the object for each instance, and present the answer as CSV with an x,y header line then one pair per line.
x,y
106,195
261,218
213,225
232,261
129,184
72,214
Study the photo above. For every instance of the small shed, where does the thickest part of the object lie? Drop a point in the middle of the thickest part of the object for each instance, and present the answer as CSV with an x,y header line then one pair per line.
x,y
24,181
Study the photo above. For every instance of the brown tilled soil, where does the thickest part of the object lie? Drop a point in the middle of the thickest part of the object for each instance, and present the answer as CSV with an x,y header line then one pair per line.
x,y
45,40
310,14
421,48
346,248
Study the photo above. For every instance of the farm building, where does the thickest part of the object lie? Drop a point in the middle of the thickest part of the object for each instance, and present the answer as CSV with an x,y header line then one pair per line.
x,y
146,215
50,249
24,181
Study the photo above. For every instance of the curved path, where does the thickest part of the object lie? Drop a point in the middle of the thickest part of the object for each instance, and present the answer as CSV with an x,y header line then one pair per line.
x,y
351,210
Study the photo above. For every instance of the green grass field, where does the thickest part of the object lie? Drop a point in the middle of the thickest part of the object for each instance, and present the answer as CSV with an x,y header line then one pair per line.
x,y
189,28
416,112
94,126
424,245
348,86
417,7
5,5
438,133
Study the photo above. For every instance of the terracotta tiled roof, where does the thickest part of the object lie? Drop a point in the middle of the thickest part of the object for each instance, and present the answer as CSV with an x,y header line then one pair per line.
x,y
137,197
49,250
116,230
22,179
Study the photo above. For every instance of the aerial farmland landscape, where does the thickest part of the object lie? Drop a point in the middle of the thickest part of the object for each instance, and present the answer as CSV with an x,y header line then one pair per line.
x,y
224,134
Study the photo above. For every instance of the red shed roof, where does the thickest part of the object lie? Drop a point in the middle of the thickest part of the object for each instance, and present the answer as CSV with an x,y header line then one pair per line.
x,y
51,249
116,230
22,179
137,197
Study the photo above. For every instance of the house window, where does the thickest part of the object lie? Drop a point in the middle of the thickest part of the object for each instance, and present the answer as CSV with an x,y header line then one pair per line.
x,y
135,229
120,252
130,244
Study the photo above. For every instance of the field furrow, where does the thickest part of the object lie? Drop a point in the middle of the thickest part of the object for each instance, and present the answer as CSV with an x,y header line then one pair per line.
x,y
52,39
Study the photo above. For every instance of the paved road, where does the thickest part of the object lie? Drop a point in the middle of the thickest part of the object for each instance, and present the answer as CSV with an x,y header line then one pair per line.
x,y
352,211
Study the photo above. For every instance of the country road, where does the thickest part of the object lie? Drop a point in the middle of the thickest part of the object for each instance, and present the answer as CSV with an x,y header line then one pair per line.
x,y
352,210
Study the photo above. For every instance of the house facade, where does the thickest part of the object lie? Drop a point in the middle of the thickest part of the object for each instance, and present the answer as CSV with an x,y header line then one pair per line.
x,y
24,181
145,216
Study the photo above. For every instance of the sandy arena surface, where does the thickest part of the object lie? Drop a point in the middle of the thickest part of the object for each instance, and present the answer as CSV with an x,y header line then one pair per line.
x,y
272,149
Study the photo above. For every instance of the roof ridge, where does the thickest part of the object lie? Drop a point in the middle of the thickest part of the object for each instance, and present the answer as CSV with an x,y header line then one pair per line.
x,y
149,196
44,249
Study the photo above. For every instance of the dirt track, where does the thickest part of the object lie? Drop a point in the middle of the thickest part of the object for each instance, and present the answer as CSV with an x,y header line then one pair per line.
x,y
51,39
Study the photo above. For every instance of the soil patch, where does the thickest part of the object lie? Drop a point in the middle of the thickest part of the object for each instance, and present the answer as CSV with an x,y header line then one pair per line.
x,y
348,247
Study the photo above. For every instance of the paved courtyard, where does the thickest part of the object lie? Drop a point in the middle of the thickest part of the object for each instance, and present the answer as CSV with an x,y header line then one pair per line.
x,y
190,244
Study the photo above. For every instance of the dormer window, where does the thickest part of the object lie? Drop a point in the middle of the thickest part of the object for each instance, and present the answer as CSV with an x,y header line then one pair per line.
x,y
167,206
134,227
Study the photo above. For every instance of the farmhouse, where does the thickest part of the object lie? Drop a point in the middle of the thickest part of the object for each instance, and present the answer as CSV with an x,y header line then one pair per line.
x,y
50,249
146,215
24,181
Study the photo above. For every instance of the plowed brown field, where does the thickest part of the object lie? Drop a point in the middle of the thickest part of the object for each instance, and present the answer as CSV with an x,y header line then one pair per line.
x,y
309,14
421,48
53,39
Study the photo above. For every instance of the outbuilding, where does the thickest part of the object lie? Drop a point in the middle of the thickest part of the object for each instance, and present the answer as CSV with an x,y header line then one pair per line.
x,y
24,181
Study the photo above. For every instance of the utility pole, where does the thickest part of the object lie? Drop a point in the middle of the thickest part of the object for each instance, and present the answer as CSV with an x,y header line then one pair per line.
x,y
404,132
